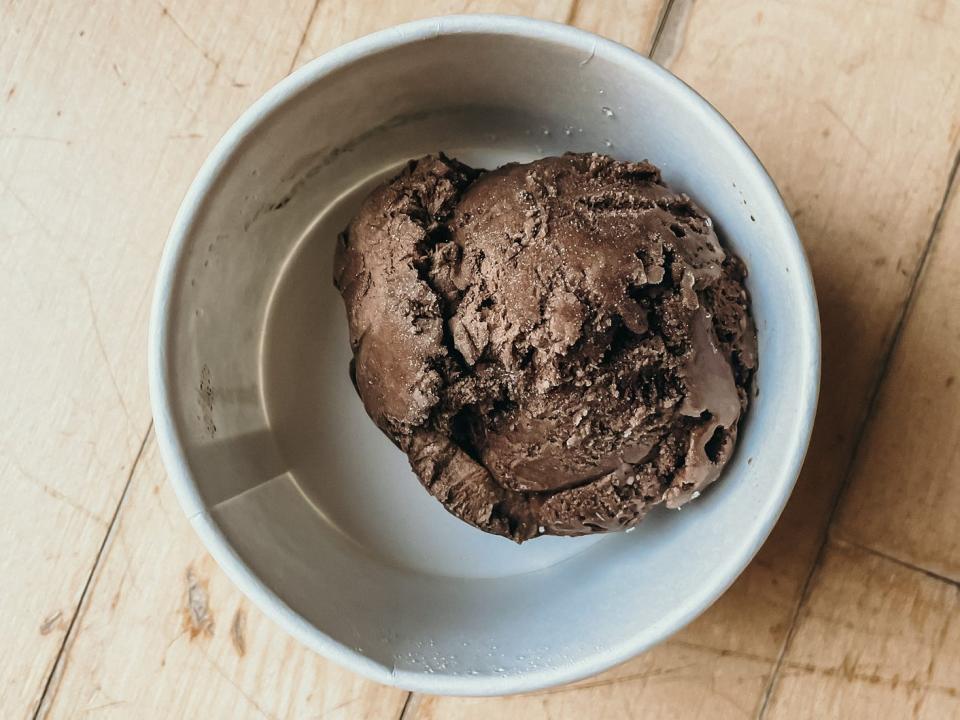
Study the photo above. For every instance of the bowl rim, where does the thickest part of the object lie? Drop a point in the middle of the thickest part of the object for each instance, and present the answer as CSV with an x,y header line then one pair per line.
x,y
169,436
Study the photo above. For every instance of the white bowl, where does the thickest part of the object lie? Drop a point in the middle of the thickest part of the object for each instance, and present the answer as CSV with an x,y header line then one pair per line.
x,y
306,506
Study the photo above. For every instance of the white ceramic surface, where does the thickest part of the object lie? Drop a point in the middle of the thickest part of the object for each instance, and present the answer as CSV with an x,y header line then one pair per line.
x,y
306,506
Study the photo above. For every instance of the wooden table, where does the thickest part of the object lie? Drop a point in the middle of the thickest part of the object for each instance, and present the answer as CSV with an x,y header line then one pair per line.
x,y
109,605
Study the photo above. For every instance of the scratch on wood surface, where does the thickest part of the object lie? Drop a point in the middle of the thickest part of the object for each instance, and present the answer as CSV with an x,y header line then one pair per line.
x,y
103,350
853,64
184,100
104,706
848,669
720,688
35,138
544,704
115,600
238,631
116,71
721,652
303,37
124,550
931,666
197,618
118,593
46,627
8,188
173,640
165,12
338,706
633,677
236,687
853,675
843,123
52,491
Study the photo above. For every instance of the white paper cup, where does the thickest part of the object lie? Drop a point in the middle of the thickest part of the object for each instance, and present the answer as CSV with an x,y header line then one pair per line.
x,y
306,506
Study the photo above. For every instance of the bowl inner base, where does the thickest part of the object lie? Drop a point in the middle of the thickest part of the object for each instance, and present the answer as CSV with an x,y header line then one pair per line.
x,y
354,477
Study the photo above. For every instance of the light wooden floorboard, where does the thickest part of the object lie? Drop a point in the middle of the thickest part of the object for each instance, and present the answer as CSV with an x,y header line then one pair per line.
x,y
875,640
107,111
904,498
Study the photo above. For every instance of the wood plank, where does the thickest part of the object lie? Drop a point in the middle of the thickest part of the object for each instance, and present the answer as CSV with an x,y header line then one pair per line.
x,y
106,111
799,81
337,22
904,499
167,635
876,640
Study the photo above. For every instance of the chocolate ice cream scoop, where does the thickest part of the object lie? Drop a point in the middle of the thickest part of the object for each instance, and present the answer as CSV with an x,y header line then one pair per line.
x,y
557,346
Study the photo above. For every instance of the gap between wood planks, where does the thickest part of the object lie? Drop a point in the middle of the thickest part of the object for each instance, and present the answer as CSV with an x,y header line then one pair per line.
x,y
839,542
662,17
58,664
410,705
858,441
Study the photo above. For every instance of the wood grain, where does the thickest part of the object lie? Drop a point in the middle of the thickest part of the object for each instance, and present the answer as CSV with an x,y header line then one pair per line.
x,y
904,498
106,111
105,115
875,640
